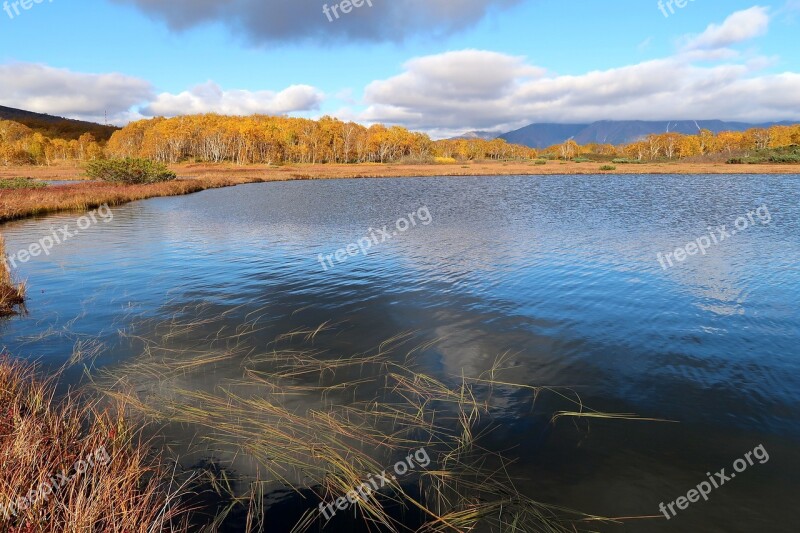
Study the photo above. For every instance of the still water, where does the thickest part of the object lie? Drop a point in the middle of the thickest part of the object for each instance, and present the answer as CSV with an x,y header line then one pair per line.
x,y
560,272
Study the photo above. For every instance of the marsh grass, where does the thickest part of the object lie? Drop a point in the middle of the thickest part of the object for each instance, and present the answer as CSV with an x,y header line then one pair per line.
x,y
41,437
12,294
320,423
22,203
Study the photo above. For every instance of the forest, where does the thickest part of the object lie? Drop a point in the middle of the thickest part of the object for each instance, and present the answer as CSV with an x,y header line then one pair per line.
x,y
274,140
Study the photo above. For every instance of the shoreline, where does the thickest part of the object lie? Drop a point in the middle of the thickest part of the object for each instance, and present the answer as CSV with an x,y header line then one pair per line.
x,y
289,172
195,177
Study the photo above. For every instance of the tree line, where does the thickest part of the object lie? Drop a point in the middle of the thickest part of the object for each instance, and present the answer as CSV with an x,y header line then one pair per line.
x,y
276,140
680,146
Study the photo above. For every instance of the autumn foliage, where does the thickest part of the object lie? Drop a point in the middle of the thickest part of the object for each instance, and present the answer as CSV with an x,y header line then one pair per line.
x,y
20,145
678,146
279,140
261,139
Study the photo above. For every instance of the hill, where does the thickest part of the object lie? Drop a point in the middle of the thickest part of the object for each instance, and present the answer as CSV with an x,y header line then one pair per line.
x,y
617,132
470,135
56,127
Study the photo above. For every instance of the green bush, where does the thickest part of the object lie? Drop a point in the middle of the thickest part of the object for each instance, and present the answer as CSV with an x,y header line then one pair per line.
x,y
129,171
787,155
540,162
21,183
623,161
785,158
581,160
608,167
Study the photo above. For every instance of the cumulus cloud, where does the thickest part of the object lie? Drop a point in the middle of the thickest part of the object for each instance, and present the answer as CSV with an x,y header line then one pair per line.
x,y
45,89
211,98
476,89
264,21
663,89
79,95
737,28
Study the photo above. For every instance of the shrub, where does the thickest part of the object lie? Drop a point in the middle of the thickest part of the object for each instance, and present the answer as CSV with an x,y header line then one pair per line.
x,y
581,160
785,158
624,161
129,171
540,162
608,167
21,183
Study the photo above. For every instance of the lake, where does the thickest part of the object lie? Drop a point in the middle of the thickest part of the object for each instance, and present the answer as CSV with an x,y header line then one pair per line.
x,y
559,275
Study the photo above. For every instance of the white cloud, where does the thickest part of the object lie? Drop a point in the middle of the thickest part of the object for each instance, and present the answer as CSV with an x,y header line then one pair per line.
x,y
665,89
476,89
211,98
45,89
737,28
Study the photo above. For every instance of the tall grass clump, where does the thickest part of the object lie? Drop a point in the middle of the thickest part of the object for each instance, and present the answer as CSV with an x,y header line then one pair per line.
x,y
12,295
129,171
122,490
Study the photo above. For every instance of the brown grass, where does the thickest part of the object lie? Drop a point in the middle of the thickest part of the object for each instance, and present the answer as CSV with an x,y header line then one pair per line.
x,y
23,203
12,295
397,170
124,490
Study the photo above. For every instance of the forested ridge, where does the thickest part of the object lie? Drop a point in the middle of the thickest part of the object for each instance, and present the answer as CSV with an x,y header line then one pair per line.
x,y
261,139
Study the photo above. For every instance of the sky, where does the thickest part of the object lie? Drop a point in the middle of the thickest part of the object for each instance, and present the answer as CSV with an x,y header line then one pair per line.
x,y
439,66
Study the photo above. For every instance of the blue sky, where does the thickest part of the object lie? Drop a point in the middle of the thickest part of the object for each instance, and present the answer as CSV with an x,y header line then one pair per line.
x,y
506,62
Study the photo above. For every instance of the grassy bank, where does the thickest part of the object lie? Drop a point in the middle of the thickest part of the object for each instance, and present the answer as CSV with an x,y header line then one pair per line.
x,y
23,203
12,294
68,465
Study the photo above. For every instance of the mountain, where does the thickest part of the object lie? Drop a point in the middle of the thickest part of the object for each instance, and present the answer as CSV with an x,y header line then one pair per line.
x,y
56,127
470,135
543,135
617,131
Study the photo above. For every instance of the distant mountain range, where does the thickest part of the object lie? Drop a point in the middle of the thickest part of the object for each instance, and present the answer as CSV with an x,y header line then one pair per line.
x,y
609,131
52,126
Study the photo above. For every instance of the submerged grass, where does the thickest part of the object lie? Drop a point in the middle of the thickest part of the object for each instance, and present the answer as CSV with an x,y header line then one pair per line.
x,y
241,423
320,424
